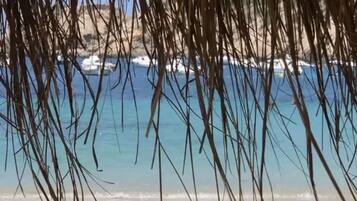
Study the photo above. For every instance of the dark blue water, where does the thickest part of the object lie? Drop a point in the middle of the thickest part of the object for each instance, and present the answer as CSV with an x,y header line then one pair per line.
x,y
118,135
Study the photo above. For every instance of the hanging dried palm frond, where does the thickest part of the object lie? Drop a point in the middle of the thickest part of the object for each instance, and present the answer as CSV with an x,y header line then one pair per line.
x,y
206,33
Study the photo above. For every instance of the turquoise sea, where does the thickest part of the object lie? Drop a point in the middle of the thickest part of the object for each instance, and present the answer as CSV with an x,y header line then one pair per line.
x,y
123,124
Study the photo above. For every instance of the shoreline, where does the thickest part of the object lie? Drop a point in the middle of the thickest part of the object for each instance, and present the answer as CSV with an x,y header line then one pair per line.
x,y
179,196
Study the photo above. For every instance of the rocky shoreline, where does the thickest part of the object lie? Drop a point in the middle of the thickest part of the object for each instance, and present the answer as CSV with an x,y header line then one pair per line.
x,y
94,39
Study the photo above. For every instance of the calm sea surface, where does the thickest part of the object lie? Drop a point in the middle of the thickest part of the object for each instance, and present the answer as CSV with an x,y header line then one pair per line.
x,y
117,138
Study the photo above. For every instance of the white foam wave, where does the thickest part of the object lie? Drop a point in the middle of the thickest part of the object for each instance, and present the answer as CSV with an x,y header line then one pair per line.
x,y
139,196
